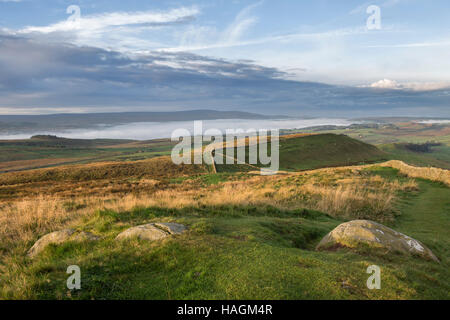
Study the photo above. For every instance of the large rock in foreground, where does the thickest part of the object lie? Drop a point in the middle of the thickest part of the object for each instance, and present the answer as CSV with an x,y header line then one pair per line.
x,y
152,231
358,233
59,237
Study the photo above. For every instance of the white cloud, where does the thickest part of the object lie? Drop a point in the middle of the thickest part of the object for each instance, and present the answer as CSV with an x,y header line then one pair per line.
x,y
275,38
443,43
115,19
120,31
414,86
386,84
200,37
241,24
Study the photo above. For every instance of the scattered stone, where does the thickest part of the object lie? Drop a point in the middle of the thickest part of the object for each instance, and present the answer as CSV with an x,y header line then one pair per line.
x,y
364,232
172,228
152,231
59,237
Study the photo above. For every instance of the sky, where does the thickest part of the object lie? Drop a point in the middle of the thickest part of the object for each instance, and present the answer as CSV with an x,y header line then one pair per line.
x,y
295,57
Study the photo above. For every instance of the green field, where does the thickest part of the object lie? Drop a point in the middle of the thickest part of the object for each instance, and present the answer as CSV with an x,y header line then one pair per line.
x,y
390,137
439,157
330,148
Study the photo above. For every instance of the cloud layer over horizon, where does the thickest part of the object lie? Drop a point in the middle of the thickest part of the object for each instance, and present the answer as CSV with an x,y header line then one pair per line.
x,y
103,62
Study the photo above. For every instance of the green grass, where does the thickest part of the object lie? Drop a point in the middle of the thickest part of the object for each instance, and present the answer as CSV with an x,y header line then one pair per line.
x,y
427,215
318,151
387,136
326,150
439,157
241,252
392,133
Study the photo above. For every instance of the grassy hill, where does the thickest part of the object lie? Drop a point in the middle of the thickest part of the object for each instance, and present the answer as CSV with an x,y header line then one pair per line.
x,y
392,137
318,151
326,150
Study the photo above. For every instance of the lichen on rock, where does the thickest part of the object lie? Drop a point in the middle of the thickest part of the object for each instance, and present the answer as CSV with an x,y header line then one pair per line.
x,y
358,233
152,231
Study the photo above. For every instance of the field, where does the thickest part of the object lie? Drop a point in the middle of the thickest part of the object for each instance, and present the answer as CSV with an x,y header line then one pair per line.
x,y
315,151
392,136
249,236
47,151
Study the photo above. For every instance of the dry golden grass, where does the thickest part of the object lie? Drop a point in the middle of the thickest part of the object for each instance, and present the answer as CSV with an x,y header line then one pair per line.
x,y
433,174
296,135
345,192
161,167
36,163
24,219
341,192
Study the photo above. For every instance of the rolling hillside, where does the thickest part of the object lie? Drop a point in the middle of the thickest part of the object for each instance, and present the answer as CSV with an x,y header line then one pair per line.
x,y
250,225
307,152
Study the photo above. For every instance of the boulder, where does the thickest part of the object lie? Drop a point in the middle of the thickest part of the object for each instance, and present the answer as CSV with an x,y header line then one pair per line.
x,y
358,233
152,231
171,228
59,237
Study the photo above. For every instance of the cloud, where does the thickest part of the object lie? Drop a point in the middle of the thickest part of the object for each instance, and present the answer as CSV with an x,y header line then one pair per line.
x,y
414,86
314,36
47,76
442,43
98,22
202,37
123,31
241,24
386,84
53,74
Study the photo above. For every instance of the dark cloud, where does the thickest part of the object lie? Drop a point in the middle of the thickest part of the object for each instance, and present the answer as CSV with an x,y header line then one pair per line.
x,y
36,74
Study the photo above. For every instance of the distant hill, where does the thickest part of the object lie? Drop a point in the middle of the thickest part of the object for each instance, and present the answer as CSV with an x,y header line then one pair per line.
x,y
326,150
319,151
398,119
56,122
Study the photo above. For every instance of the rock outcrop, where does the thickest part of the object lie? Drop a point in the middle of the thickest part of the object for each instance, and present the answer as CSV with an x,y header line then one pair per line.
x,y
152,231
358,233
59,237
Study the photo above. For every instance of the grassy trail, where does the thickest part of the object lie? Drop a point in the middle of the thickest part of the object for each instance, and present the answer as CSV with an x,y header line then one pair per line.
x,y
426,216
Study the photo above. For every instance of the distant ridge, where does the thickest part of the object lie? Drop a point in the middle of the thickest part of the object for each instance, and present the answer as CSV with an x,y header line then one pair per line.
x,y
22,123
398,119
